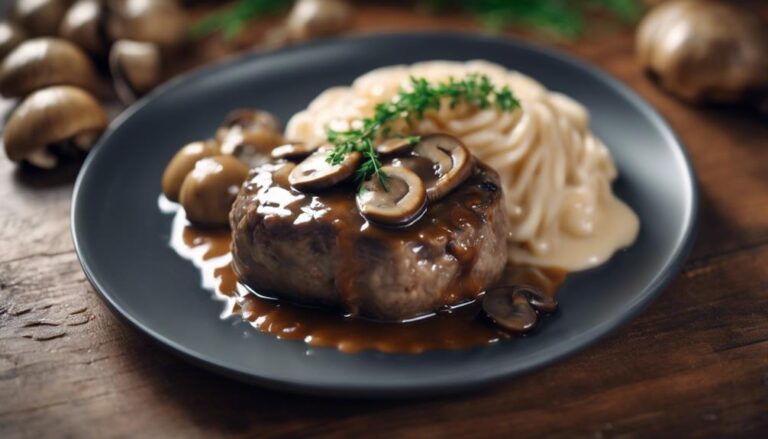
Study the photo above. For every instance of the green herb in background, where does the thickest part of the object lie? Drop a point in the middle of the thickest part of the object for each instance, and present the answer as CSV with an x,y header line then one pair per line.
x,y
562,18
477,90
232,20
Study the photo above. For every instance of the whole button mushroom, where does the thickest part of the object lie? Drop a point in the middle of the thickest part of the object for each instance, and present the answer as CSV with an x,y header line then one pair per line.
x,y
162,22
400,203
210,189
247,124
83,25
452,163
250,135
11,36
182,164
43,62
39,17
316,173
702,50
53,118
317,18
136,68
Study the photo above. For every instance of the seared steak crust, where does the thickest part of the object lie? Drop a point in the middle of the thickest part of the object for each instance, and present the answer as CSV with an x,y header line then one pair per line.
x,y
316,248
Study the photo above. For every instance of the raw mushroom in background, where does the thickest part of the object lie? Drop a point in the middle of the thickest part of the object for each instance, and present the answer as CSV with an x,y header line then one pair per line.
x,y
311,19
51,123
69,47
42,62
84,25
136,68
11,35
162,22
705,50
39,17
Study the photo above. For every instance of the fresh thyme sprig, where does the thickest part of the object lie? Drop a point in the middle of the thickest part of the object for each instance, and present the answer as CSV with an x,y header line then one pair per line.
x,y
474,89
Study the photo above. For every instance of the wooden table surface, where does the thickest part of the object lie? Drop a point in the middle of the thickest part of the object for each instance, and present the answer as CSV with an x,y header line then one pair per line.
x,y
695,363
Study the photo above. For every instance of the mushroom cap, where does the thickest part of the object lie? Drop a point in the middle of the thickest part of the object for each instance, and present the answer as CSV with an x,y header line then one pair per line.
x,y
452,163
250,135
49,116
315,173
210,189
182,164
83,25
39,17
136,68
162,22
315,18
705,50
401,203
11,36
293,151
248,120
42,62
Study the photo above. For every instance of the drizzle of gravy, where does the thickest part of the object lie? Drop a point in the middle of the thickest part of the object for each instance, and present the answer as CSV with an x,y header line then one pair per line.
x,y
460,327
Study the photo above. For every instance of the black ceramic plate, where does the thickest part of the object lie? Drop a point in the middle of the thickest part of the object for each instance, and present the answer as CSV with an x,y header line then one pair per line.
x,y
122,238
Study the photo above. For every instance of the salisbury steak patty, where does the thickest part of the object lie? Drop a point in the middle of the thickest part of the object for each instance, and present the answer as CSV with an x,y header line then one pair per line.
x,y
316,248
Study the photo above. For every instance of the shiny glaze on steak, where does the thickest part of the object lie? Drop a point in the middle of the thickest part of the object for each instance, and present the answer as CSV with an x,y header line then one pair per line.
x,y
316,248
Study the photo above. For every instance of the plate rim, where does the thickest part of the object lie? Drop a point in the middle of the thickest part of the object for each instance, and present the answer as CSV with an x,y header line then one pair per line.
x,y
654,288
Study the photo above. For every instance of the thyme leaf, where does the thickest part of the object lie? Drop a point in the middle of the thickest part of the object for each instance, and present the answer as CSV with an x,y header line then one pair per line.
x,y
474,89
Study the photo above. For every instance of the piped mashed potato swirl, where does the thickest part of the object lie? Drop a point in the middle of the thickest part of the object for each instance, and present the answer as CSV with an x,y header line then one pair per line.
x,y
556,174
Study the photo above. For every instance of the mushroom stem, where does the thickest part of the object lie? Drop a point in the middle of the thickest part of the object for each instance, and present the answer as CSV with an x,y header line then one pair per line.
x,y
43,159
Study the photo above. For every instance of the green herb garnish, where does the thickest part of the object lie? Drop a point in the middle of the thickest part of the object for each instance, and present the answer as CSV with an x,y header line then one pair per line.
x,y
475,89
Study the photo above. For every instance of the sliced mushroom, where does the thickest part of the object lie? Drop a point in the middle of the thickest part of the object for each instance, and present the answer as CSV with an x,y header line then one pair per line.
x,y
510,309
315,173
210,189
84,25
451,160
540,301
39,17
162,22
280,176
317,18
403,201
293,151
50,118
182,164
42,62
136,68
11,36
395,145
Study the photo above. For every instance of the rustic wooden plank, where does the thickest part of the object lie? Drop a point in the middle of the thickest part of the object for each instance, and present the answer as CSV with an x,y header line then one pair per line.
x,y
694,364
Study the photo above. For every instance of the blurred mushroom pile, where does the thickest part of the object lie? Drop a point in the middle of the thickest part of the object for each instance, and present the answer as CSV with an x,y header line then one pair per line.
x,y
68,60
65,59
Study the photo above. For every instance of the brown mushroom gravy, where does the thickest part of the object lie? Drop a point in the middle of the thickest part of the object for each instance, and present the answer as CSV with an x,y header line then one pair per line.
x,y
460,327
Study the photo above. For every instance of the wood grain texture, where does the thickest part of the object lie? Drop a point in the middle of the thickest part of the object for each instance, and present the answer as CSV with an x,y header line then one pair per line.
x,y
694,364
